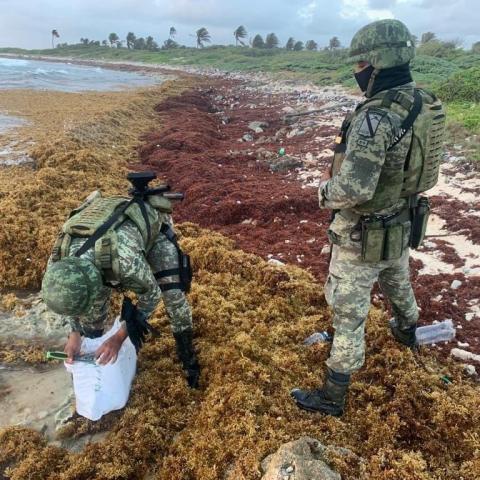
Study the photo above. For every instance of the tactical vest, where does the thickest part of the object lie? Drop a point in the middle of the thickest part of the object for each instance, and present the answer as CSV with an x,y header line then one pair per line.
x,y
84,221
421,168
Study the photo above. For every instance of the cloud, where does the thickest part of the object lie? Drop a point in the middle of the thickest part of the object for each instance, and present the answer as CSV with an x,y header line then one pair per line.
x,y
28,23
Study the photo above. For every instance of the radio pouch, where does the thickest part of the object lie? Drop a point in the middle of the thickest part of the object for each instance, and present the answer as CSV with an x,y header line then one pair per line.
x,y
393,242
373,239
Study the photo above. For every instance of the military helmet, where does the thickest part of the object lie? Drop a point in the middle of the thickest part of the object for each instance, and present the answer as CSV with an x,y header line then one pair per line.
x,y
383,44
70,286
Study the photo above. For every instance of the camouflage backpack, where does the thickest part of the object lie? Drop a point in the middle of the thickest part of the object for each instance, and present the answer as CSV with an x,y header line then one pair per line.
x,y
94,213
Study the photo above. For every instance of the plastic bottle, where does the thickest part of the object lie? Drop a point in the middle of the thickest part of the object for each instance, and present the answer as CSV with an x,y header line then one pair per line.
x,y
318,337
435,333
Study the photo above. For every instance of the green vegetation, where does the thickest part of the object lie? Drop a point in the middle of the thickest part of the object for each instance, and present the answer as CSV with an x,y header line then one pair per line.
x,y
443,67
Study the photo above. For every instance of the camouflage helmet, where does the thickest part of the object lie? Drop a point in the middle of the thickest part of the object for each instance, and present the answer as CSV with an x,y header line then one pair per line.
x,y
383,44
70,286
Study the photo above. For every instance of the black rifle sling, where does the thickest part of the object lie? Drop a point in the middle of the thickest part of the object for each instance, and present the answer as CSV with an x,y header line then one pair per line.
x,y
168,231
407,124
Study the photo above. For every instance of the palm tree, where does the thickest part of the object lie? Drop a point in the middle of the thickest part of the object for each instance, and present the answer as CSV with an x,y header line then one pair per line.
x,y
258,42
151,44
173,32
290,43
169,44
428,37
54,36
113,38
202,36
130,40
298,46
271,41
334,43
240,33
311,45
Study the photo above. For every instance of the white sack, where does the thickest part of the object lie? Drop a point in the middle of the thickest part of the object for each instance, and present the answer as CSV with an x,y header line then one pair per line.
x,y
99,389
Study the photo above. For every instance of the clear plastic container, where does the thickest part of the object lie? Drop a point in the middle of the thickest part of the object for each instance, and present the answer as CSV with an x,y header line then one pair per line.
x,y
435,333
318,337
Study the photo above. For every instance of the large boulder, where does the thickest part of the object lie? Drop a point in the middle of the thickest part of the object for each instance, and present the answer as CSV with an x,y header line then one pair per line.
x,y
302,459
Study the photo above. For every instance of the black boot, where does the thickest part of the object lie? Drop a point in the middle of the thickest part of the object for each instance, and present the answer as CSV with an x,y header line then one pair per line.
x,y
329,400
405,336
186,354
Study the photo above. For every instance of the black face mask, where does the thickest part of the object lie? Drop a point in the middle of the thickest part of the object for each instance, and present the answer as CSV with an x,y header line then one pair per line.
x,y
363,77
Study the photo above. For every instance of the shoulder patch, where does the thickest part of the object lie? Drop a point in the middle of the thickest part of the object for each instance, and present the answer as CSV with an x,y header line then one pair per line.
x,y
370,123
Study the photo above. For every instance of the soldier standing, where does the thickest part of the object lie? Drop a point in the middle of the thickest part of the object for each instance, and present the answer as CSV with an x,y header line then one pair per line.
x,y
388,151
127,245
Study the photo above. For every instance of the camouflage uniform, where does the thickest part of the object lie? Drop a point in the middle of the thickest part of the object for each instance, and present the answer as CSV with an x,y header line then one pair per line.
x,y
350,279
137,274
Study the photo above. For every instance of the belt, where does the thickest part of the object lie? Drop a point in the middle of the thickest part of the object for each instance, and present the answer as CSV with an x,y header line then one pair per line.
x,y
400,216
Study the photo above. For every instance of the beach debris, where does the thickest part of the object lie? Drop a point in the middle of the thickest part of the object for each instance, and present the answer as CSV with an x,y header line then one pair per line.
x,y
437,332
248,137
455,284
318,337
464,355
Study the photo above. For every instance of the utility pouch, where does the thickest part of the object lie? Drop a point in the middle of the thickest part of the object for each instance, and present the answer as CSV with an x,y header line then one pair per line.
x,y
420,214
393,241
373,239
185,271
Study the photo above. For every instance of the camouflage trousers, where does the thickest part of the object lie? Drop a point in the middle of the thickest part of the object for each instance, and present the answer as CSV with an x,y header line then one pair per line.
x,y
347,291
163,257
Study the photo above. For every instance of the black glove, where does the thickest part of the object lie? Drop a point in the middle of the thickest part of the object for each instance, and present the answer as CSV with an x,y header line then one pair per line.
x,y
136,321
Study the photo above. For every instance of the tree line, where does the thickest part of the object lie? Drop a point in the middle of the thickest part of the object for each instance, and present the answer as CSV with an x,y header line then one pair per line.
x,y
428,44
202,36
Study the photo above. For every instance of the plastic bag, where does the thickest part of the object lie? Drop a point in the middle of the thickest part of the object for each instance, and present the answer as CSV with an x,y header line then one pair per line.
x,y
99,389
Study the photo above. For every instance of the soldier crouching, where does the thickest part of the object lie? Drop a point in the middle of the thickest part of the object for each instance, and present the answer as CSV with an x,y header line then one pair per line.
x,y
128,245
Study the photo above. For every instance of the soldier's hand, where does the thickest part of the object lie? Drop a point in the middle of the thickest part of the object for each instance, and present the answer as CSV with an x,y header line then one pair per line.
x,y
72,347
108,350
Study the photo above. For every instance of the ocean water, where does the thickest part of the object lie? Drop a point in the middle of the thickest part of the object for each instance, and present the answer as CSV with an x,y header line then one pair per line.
x,y
67,77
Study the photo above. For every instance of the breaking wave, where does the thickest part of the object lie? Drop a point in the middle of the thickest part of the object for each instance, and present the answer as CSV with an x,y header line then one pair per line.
x,y
20,73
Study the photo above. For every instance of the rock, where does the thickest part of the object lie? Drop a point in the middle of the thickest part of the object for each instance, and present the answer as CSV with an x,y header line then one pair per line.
x,y
295,133
274,261
455,284
469,316
248,137
31,319
470,370
286,163
325,250
302,459
257,127
264,154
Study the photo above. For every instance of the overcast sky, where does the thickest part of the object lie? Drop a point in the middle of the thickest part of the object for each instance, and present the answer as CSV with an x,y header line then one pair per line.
x,y
28,23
